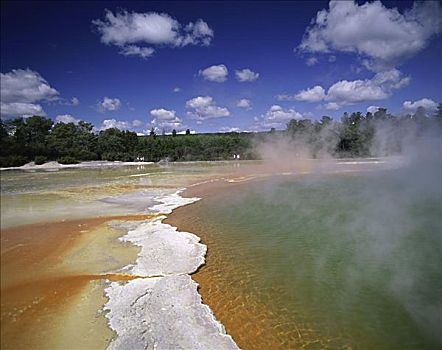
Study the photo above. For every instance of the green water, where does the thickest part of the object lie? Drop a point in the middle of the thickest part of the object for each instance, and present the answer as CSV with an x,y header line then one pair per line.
x,y
355,258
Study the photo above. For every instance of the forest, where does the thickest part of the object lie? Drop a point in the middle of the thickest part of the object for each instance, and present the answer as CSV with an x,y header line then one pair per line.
x,y
39,139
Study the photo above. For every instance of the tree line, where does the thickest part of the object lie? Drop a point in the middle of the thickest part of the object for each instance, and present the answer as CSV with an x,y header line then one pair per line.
x,y
38,139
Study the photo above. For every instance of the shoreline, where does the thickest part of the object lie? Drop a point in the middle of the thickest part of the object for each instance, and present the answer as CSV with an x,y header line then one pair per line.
x,y
251,324
162,307
179,218
54,165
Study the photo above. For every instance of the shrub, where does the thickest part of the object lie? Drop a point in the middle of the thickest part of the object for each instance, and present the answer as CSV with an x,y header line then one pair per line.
x,y
86,155
13,160
67,160
40,160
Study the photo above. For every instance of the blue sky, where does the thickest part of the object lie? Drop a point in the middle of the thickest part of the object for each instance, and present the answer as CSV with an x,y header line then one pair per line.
x,y
118,63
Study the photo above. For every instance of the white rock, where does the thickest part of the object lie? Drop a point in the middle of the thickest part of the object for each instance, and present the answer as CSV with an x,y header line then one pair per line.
x,y
164,250
163,313
169,202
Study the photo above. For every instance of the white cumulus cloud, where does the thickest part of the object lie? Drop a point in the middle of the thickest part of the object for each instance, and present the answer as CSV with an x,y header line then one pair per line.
x,y
244,103
384,36
411,107
203,107
132,31
380,87
164,119
332,106
348,92
21,89
314,94
20,109
109,104
113,123
245,75
66,118
121,125
216,73
276,117
372,109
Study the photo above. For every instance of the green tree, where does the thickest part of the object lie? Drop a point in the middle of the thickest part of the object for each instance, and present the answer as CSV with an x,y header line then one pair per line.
x,y
75,141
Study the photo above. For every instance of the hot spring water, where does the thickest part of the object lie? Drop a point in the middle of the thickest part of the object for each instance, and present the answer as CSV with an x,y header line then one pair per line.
x,y
338,260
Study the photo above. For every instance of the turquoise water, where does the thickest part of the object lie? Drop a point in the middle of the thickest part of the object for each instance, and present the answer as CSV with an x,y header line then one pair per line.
x,y
355,259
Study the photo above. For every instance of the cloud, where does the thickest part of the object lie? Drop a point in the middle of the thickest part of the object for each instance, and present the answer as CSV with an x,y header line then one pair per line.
x,y
217,73
176,89
411,107
332,106
137,123
133,50
21,109
21,89
120,124
129,30
203,108
356,91
109,104
164,119
385,37
276,117
246,75
113,123
373,109
311,61
229,129
66,118
244,103
74,101
380,87
314,94
345,92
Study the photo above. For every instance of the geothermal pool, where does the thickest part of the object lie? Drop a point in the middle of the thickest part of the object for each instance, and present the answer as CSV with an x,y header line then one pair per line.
x,y
344,257
326,261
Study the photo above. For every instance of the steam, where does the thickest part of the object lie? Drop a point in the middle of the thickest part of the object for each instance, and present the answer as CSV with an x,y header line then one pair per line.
x,y
394,219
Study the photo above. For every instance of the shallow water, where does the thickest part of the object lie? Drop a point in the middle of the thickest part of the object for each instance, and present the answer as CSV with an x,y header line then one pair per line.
x,y
39,195
335,261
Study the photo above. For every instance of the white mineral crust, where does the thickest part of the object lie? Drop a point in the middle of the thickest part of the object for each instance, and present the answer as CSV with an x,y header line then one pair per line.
x,y
164,250
161,309
163,313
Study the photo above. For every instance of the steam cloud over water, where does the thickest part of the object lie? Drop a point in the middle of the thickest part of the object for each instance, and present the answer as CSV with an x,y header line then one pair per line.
x,y
395,220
